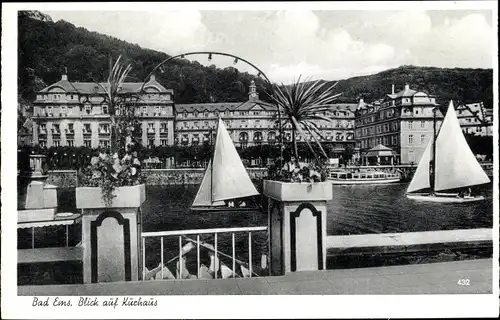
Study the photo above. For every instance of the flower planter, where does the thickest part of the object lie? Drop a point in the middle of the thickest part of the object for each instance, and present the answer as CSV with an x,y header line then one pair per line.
x,y
295,191
126,197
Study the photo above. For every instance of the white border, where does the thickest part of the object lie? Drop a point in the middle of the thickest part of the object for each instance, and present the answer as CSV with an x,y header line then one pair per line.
x,y
371,306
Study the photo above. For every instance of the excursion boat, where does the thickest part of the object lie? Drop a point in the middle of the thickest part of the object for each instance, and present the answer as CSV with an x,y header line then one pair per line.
x,y
226,185
447,165
363,177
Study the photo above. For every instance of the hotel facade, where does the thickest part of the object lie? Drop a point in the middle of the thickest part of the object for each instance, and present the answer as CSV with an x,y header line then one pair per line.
x,y
69,113
402,121
475,119
76,114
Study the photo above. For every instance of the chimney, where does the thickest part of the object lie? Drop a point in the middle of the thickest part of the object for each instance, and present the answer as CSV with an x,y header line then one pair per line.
x,y
392,91
407,86
152,78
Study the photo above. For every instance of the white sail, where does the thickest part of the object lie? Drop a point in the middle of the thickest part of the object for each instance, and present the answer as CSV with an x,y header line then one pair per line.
x,y
185,273
230,179
214,264
245,272
204,274
225,271
167,274
203,197
456,165
421,177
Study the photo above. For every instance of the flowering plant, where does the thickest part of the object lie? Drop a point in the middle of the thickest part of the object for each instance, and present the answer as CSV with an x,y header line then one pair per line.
x,y
120,166
108,172
294,171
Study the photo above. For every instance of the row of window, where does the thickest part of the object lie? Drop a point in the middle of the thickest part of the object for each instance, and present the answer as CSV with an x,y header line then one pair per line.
x,y
372,142
59,96
102,109
206,114
103,143
411,138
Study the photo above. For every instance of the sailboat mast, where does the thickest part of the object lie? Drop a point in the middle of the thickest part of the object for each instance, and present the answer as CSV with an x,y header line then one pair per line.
x,y
432,179
212,168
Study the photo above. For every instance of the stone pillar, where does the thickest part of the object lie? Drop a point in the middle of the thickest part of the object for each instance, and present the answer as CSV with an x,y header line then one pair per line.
x,y
37,200
111,236
297,225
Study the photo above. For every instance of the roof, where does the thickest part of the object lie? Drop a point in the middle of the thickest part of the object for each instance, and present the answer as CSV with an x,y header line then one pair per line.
x,y
92,87
406,92
224,106
380,151
380,147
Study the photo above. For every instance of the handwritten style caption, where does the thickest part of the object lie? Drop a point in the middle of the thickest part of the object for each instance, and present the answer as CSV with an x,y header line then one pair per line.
x,y
94,302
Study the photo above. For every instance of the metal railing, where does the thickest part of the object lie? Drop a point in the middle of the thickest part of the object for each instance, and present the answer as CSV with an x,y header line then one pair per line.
x,y
182,250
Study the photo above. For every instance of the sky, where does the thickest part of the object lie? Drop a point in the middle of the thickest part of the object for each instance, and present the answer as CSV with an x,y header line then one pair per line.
x,y
323,44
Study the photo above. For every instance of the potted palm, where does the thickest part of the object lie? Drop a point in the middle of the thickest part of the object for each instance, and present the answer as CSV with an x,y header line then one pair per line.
x,y
302,104
114,178
296,240
112,188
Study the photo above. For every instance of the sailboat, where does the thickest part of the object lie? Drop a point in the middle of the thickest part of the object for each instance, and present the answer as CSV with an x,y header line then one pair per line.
x,y
225,179
446,165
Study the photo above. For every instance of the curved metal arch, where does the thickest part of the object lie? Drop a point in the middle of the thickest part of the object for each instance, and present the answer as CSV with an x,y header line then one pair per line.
x,y
182,55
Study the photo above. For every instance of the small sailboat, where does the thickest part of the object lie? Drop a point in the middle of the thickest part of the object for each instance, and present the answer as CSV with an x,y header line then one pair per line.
x,y
447,164
204,272
225,271
245,272
165,273
226,181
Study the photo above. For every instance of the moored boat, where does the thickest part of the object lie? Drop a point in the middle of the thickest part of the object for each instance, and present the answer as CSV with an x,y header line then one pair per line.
x,y
226,183
362,177
447,165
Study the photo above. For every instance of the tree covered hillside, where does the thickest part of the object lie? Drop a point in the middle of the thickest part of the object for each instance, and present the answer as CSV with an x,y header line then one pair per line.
x,y
461,85
47,47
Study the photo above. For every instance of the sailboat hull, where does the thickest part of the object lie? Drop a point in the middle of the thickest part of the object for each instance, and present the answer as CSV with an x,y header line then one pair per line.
x,y
443,198
224,209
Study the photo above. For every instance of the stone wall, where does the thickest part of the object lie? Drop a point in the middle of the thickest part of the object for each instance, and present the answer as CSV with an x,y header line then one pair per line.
x,y
68,178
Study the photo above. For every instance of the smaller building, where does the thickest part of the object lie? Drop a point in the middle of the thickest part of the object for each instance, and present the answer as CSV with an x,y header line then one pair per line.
x,y
475,119
402,121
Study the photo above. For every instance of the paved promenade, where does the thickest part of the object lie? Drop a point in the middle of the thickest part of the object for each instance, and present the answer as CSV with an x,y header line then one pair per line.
x,y
433,278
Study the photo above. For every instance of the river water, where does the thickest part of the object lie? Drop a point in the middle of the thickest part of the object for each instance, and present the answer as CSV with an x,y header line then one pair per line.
x,y
353,210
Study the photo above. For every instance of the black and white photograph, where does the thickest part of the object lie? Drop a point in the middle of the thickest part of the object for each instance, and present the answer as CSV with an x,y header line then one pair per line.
x,y
203,159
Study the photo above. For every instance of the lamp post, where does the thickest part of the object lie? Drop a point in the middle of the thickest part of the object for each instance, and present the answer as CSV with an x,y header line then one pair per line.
x,y
236,59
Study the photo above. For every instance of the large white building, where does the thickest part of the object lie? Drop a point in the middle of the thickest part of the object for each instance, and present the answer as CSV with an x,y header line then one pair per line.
x,y
69,113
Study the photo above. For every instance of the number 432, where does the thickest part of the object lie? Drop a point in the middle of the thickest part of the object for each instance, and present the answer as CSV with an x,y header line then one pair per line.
x,y
463,282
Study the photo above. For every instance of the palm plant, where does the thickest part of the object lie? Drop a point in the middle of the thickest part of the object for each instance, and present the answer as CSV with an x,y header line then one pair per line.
x,y
115,99
301,105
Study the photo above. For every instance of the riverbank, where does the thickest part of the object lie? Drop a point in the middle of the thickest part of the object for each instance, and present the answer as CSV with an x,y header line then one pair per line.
x,y
154,177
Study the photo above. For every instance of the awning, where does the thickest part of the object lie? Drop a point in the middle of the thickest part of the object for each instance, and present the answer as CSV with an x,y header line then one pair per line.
x,y
57,221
